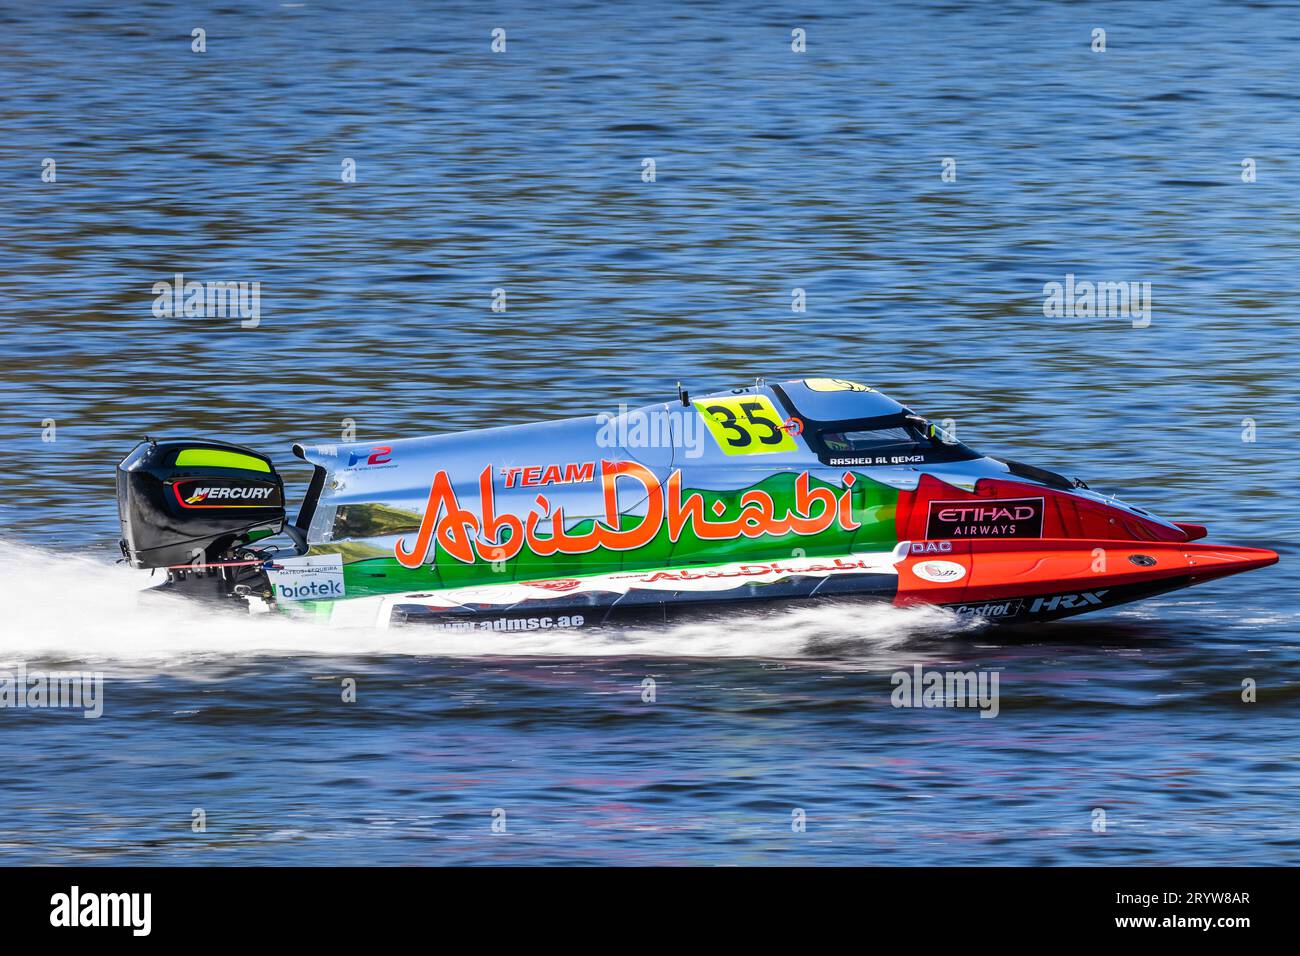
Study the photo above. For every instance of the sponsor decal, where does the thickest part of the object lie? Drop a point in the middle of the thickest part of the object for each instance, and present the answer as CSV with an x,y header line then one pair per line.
x,y
563,584
315,577
512,623
378,455
225,493
931,547
535,475
1064,601
940,572
467,536
989,610
986,518
746,425
750,571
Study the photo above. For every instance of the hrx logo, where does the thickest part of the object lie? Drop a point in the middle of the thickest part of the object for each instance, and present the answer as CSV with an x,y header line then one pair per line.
x,y
1067,601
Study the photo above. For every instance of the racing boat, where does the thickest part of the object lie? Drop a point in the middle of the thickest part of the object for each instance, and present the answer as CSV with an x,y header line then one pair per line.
x,y
809,489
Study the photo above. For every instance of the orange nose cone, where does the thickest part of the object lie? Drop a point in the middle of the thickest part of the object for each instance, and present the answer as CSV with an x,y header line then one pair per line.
x,y
1216,560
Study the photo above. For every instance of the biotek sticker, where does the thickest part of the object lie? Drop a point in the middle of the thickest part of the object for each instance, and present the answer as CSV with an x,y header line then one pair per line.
x,y
315,577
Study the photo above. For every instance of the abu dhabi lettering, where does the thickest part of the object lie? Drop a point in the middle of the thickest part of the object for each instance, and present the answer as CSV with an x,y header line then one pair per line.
x,y
467,536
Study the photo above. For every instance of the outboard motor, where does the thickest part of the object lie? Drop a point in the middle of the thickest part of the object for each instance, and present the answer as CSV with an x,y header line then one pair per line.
x,y
191,506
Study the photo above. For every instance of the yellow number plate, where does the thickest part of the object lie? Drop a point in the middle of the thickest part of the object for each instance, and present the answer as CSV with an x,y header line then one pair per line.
x,y
745,425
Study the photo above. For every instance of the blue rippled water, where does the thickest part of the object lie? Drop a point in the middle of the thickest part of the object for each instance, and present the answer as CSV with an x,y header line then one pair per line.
x,y
774,171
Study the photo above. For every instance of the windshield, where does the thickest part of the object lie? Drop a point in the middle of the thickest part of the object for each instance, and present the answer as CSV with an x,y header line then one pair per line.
x,y
908,439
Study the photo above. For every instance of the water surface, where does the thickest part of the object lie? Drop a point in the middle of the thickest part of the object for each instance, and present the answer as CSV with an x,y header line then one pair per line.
x,y
774,171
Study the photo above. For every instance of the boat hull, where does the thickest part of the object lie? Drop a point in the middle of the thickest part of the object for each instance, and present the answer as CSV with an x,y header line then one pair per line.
x,y
998,582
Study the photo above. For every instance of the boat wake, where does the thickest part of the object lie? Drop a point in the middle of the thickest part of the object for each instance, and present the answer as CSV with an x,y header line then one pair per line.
x,y
63,608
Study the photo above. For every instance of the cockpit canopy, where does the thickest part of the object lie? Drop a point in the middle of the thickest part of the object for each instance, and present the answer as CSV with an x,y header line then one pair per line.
x,y
850,424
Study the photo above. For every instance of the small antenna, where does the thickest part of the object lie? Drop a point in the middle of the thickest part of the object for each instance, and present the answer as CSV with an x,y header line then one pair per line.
x,y
682,396
758,382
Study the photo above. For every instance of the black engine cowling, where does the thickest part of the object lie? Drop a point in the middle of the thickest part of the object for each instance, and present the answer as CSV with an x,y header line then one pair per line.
x,y
191,502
